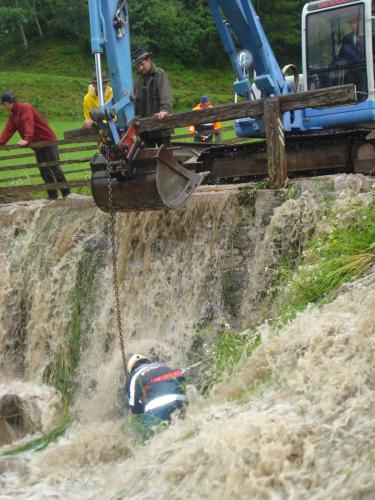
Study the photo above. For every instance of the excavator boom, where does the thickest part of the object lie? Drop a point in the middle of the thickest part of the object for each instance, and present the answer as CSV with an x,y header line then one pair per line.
x,y
126,176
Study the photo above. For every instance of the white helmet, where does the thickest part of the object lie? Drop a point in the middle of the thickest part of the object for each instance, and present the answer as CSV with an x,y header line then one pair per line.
x,y
134,359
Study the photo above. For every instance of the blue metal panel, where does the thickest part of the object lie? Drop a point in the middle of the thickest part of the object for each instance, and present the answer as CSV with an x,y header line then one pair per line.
x,y
243,20
354,114
242,88
227,39
95,27
105,38
119,60
315,119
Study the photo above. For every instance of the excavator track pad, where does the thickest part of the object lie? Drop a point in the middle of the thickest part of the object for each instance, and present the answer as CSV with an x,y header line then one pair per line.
x,y
157,182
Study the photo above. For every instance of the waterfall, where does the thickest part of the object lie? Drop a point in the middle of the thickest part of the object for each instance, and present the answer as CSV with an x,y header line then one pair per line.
x,y
293,421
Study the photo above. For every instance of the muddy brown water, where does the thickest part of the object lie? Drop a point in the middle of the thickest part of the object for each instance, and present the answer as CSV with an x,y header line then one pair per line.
x,y
296,420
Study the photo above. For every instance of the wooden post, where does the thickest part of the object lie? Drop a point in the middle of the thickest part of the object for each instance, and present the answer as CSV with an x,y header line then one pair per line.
x,y
276,158
218,136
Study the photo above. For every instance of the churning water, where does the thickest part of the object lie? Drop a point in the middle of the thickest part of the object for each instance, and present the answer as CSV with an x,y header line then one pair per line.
x,y
296,420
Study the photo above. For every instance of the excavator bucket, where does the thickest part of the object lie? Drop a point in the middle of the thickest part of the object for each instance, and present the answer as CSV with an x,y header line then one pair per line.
x,y
158,182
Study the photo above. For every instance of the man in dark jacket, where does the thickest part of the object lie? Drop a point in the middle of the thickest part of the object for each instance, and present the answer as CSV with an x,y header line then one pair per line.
x,y
352,55
154,390
32,127
153,96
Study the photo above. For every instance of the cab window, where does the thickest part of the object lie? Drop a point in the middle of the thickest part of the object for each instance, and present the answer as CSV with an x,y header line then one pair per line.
x,y
336,48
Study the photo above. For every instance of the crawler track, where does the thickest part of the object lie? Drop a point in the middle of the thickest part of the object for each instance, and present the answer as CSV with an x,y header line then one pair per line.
x,y
307,155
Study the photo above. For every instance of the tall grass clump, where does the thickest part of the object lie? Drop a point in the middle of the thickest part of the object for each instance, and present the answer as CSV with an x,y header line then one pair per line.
x,y
67,355
331,261
223,355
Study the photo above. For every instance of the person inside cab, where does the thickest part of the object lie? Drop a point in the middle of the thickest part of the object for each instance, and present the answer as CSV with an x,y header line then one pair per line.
x,y
353,44
154,390
202,131
352,54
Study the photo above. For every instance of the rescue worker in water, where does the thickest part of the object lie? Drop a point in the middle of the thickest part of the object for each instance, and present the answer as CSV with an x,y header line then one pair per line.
x,y
154,390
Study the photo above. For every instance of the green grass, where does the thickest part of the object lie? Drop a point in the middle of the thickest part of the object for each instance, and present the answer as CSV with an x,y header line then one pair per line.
x,y
54,78
67,355
342,255
52,94
338,258
223,354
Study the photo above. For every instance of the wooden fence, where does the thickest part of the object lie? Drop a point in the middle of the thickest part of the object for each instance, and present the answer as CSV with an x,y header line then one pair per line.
x,y
20,179
19,175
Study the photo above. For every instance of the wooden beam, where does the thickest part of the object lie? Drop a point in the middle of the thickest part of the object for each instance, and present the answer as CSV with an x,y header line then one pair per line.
x,y
91,147
321,98
332,96
90,133
17,156
76,149
36,145
273,122
217,113
45,164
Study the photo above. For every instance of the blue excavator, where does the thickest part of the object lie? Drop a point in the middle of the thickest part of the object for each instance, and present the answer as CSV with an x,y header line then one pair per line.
x,y
337,48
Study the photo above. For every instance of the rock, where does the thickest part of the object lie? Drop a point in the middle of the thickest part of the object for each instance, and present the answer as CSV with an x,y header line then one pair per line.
x,y
7,433
11,409
6,198
14,422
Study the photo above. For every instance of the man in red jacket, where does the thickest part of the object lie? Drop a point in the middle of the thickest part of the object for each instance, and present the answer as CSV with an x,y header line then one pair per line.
x,y
32,127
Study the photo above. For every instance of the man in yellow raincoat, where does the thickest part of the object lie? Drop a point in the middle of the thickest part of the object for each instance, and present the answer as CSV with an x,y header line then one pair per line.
x,y
91,99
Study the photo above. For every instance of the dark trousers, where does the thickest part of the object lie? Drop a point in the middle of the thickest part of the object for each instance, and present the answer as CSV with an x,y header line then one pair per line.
x,y
50,175
151,141
163,414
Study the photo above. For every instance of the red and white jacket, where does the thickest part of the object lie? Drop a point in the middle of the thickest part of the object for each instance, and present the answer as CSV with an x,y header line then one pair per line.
x,y
152,386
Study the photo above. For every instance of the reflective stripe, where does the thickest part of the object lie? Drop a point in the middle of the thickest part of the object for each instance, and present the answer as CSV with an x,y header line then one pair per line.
x,y
164,400
139,372
166,376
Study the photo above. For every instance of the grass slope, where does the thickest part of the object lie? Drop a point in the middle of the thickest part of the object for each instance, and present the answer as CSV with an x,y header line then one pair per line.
x,y
54,78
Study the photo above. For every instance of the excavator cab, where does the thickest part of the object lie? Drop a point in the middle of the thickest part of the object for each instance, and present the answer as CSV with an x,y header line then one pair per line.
x,y
338,45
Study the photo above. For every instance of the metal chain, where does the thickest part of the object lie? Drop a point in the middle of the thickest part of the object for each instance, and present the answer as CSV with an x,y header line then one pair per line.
x,y
114,262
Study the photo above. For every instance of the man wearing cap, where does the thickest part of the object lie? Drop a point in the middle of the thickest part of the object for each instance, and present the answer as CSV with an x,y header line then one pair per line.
x,y
32,127
200,131
91,99
153,96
